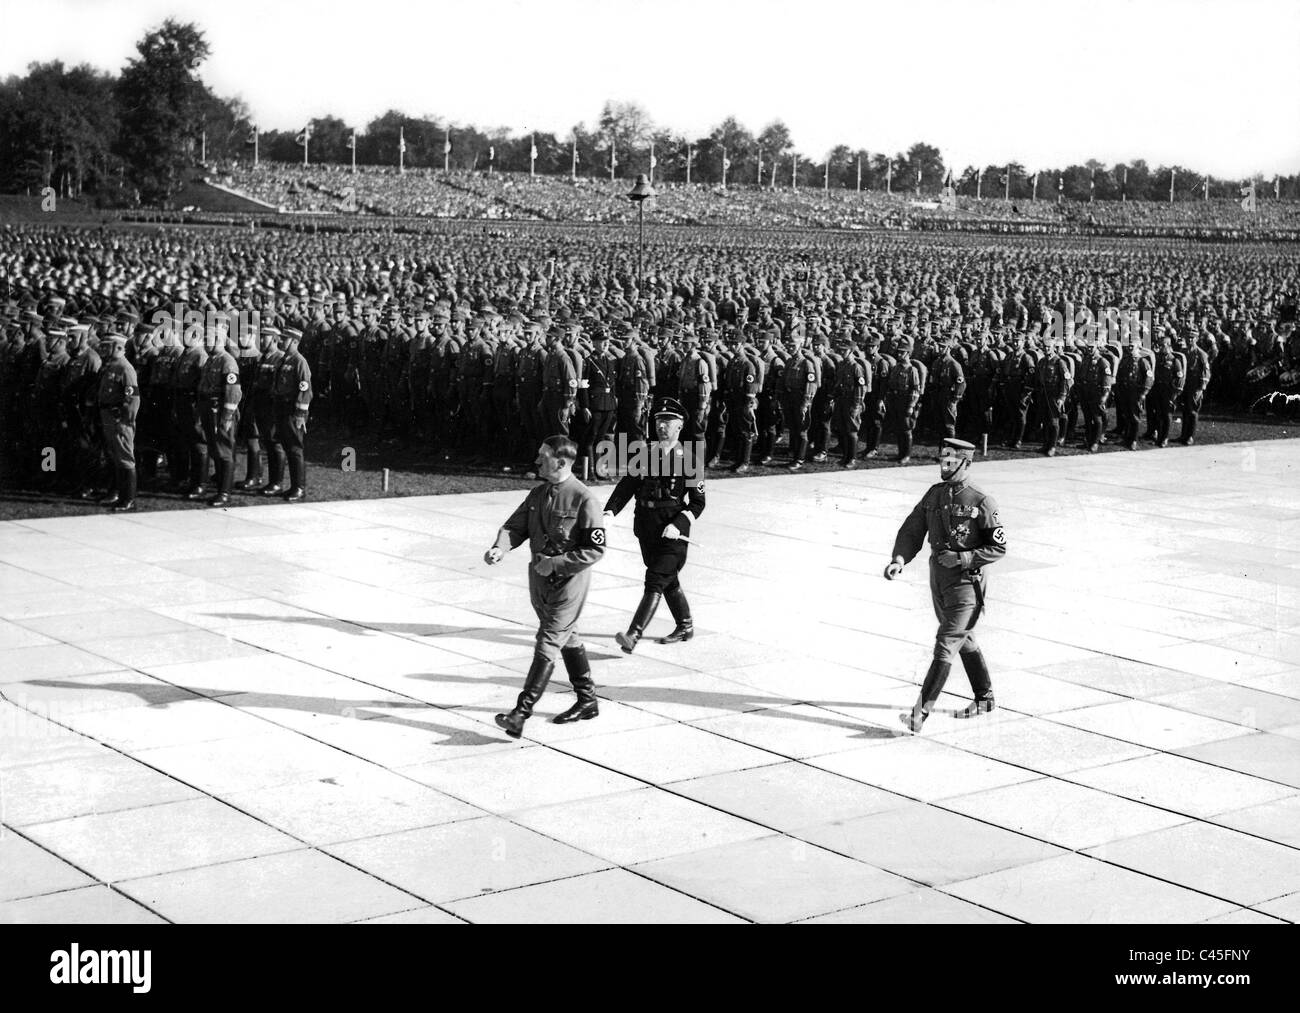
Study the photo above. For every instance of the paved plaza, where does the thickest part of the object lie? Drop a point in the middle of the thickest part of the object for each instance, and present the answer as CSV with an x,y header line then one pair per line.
x,y
285,713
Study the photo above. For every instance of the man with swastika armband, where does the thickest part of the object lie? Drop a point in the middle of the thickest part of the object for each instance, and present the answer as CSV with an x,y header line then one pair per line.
x,y
219,395
118,397
668,499
560,519
965,536
291,395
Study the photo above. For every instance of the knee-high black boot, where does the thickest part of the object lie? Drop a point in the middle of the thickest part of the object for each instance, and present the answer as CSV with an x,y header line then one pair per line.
x,y
640,620
575,663
930,690
534,686
681,610
126,485
981,684
742,456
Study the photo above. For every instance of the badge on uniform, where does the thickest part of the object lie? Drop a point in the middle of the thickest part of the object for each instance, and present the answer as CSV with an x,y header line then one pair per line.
x,y
232,378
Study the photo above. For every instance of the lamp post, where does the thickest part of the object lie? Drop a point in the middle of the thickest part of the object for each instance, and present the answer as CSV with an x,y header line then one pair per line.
x,y
641,192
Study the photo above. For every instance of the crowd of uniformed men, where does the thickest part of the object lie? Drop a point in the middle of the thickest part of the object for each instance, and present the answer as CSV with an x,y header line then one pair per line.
x,y
106,383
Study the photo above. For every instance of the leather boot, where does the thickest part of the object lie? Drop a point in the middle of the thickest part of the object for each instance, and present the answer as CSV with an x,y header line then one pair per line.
x,y
640,620
534,686
681,610
935,677
126,492
113,498
586,708
980,683
742,458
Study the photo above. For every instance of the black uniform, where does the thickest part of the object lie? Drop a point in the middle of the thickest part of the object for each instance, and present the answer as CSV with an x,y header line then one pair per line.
x,y
664,496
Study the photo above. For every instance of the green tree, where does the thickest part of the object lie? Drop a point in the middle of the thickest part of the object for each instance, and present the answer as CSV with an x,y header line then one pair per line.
x,y
159,95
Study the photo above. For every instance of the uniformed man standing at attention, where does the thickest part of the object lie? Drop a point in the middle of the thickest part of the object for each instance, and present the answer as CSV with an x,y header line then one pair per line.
x,y
903,397
561,521
602,402
669,496
965,536
291,394
119,401
219,397
1052,386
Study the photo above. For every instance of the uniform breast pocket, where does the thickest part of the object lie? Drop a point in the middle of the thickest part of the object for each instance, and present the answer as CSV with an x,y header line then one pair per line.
x,y
564,524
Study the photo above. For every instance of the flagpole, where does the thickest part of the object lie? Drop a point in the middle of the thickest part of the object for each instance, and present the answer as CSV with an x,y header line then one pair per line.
x,y
532,156
889,177
613,157
446,151
574,172
1123,193
401,150
794,172
760,167
859,174
203,149
1172,175
1034,195
826,180
1206,186
1006,189
254,145
354,152
688,165
652,163
979,183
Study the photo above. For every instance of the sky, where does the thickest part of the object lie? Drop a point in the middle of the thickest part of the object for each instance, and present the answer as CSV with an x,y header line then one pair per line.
x,y
1213,85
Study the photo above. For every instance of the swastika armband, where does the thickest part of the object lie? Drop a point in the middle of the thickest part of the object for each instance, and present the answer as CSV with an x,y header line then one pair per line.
x,y
591,538
812,378
998,536
302,385
232,378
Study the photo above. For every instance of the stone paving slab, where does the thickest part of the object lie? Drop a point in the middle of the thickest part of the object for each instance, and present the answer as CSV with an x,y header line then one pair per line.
x,y
285,714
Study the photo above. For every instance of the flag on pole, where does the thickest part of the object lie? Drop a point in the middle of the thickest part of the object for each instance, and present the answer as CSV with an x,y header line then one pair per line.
x,y
1277,187
654,162
304,139
1248,202
1033,183
826,182
1092,185
1205,187
889,175
532,151
446,145
352,141
1173,174
1123,194
401,140
760,166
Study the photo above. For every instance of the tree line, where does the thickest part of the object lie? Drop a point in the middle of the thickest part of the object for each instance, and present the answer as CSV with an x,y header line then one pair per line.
x,y
133,137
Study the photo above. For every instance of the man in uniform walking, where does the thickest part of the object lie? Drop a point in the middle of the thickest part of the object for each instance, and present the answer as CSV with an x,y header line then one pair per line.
x,y
561,521
965,535
1133,381
602,372
1093,384
669,496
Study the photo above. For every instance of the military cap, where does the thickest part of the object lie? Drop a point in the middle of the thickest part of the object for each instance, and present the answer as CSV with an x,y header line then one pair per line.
x,y
270,331
56,334
292,333
903,344
66,322
670,408
441,312
959,447
115,339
